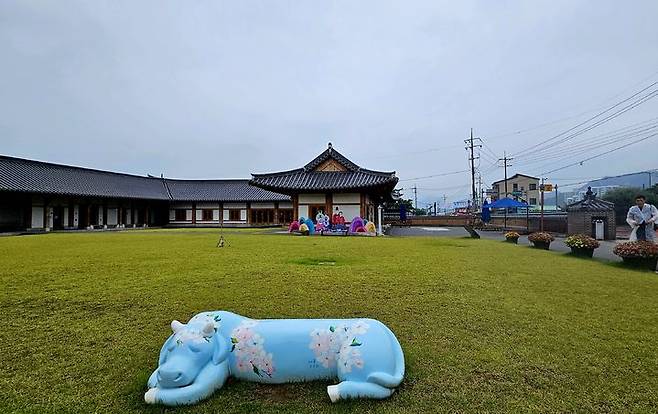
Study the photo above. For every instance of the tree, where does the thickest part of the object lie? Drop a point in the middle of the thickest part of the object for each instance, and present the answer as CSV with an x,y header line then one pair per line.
x,y
624,198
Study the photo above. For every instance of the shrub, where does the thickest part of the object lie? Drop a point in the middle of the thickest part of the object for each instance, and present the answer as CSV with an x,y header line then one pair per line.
x,y
581,241
541,237
512,235
636,249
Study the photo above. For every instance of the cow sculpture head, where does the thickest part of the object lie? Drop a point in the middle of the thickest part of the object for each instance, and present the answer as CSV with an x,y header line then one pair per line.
x,y
188,350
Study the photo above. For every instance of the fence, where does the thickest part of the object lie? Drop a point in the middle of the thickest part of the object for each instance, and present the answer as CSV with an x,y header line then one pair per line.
x,y
554,222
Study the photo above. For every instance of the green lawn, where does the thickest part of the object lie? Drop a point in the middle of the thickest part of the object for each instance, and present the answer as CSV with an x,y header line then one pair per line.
x,y
485,325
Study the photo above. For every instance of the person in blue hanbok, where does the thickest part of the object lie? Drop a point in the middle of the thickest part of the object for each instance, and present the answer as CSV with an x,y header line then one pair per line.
x,y
641,218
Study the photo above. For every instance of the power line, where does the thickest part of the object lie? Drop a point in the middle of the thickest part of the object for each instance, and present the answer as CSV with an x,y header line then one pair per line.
x,y
601,154
609,117
435,175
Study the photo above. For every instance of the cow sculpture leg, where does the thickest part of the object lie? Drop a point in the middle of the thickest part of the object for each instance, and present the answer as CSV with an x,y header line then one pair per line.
x,y
355,389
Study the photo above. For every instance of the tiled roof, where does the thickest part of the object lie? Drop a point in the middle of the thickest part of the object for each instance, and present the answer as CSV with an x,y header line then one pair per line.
x,y
21,175
591,205
307,179
224,190
17,174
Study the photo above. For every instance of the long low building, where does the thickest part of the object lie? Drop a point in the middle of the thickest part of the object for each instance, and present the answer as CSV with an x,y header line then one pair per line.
x,y
42,196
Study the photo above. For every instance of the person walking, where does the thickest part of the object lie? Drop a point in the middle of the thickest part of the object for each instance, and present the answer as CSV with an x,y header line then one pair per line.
x,y
641,218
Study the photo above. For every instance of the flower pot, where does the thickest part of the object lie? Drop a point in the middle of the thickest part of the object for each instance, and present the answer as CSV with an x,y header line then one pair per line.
x,y
514,240
582,252
641,262
542,245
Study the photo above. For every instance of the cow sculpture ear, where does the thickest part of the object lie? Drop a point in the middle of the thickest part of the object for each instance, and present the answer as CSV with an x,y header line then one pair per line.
x,y
176,326
220,349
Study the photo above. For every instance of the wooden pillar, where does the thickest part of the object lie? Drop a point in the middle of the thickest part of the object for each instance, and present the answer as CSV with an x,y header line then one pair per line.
x,y
193,213
88,218
276,212
362,205
248,212
328,204
146,215
295,206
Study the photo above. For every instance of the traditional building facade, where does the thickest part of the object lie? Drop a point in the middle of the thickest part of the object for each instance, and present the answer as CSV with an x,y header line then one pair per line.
x,y
38,196
330,183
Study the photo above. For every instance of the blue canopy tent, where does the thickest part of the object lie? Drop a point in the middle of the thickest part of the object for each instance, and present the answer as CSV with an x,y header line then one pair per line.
x,y
486,213
510,203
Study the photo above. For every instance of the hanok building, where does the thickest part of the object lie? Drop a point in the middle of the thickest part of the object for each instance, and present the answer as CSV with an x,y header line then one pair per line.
x,y
331,182
37,196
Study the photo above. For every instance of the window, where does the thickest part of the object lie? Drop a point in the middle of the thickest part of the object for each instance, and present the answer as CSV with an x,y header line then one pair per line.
x,y
515,187
533,201
532,187
262,216
285,216
206,214
181,214
234,215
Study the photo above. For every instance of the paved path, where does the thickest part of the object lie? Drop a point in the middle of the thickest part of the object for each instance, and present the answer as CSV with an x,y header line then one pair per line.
x,y
603,252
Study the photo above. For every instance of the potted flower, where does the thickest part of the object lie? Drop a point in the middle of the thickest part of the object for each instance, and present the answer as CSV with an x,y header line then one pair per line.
x,y
643,254
512,237
582,245
541,239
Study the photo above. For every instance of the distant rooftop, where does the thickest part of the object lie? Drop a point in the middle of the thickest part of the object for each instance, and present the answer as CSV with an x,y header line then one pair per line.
x,y
29,176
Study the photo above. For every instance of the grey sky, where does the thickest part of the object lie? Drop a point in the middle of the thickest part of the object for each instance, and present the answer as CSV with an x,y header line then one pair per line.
x,y
222,89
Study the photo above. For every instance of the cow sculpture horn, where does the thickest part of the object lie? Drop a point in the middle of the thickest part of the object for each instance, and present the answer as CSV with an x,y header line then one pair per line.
x,y
209,329
176,326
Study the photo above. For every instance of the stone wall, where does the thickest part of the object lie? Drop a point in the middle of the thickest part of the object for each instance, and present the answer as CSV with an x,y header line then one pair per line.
x,y
581,222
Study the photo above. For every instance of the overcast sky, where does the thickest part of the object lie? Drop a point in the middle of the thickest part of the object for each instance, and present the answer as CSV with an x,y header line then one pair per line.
x,y
200,89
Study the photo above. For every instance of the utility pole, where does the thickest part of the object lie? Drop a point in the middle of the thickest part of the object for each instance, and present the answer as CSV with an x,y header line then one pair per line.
x,y
556,203
541,190
506,164
415,196
470,145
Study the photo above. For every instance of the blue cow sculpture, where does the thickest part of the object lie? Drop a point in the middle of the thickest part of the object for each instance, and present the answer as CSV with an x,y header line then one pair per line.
x,y
363,354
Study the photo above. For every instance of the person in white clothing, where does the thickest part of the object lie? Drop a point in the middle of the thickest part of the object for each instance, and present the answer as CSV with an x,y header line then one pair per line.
x,y
641,218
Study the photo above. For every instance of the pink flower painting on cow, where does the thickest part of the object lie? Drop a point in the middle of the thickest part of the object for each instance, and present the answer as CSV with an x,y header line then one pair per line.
x,y
339,346
249,350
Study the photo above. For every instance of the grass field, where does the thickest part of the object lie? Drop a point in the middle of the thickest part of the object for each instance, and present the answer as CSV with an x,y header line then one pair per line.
x,y
485,325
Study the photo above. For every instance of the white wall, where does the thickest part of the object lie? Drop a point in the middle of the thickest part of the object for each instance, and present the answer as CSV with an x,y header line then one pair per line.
x,y
302,211
129,216
65,219
312,199
198,215
262,205
349,212
100,215
76,215
339,198
285,204
37,217
112,216
235,205
188,215
49,217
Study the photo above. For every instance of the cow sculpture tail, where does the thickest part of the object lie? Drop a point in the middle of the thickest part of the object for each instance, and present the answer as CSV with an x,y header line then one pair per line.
x,y
388,380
